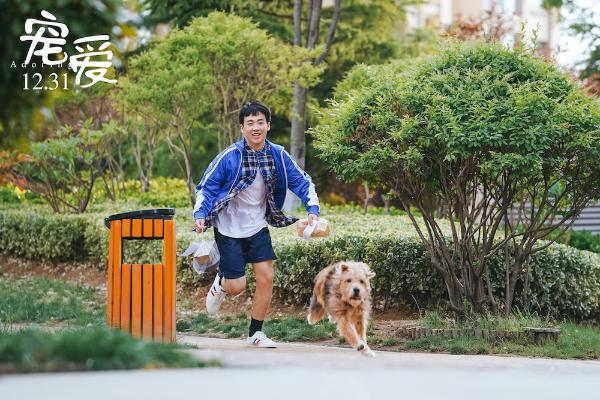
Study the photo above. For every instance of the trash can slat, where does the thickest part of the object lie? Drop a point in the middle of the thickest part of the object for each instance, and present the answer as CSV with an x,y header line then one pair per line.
x,y
147,301
136,228
109,281
148,228
158,228
116,309
136,300
126,228
169,278
158,301
126,297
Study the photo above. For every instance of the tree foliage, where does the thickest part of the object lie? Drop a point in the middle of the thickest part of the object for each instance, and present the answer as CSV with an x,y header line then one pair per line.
x,y
203,74
481,128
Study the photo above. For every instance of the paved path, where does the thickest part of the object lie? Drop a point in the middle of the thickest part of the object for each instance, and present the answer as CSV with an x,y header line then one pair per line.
x,y
307,372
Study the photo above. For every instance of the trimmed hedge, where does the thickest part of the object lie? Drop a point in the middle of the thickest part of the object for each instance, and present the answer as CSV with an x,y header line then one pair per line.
x,y
564,281
35,235
42,237
403,270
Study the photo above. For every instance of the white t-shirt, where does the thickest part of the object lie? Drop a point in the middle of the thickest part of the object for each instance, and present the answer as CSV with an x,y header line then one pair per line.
x,y
244,216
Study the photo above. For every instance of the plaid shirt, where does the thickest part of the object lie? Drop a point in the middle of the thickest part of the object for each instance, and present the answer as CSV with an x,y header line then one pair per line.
x,y
252,161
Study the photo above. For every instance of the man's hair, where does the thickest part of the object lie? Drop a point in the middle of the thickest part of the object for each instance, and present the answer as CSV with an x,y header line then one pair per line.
x,y
253,108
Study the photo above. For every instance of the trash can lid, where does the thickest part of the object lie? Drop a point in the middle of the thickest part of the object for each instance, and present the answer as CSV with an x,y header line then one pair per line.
x,y
156,213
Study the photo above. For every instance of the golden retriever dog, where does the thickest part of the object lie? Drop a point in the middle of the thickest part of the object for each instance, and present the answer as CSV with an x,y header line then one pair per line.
x,y
343,292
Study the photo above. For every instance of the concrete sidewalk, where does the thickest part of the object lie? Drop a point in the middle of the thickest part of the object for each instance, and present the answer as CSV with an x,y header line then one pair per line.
x,y
304,371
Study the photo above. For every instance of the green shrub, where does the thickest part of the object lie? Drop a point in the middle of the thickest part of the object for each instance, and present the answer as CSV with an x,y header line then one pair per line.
x,y
163,192
63,169
584,240
8,195
42,236
297,264
12,195
564,282
404,273
96,240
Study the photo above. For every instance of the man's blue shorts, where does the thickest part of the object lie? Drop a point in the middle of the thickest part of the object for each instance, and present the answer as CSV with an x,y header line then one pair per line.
x,y
236,253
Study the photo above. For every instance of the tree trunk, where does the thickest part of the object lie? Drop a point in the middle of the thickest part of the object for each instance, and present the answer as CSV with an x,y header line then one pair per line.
x,y
149,160
298,147
455,294
526,287
137,153
367,197
298,142
510,292
188,178
187,155
298,137
82,206
109,192
386,204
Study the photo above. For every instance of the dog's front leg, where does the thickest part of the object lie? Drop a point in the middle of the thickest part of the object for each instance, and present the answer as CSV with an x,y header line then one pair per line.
x,y
361,327
348,332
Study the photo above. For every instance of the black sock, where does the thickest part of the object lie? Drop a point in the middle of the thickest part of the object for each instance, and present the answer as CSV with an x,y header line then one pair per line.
x,y
255,325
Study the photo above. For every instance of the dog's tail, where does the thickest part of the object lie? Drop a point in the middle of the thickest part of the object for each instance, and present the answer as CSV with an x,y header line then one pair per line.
x,y
316,311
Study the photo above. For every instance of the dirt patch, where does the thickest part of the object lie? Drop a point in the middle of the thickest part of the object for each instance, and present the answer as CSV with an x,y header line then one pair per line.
x,y
79,273
192,301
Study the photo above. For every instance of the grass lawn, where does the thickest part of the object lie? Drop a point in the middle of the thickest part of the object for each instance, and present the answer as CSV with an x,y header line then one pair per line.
x,y
345,220
289,329
38,300
578,341
575,341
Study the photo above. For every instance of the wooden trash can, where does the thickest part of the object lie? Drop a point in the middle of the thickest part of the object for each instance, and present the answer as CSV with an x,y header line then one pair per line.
x,y
141,297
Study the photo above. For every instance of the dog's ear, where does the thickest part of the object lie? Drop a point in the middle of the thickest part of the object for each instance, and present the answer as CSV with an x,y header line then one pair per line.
x,y
341,267
370,274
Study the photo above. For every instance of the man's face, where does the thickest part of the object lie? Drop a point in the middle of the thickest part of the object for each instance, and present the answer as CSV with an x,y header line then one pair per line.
x,y
255,130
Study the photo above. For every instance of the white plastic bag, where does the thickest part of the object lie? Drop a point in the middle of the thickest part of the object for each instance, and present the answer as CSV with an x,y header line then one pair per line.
x,y
205,254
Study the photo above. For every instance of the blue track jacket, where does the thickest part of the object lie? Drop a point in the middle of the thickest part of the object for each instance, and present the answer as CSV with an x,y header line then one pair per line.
x,y
224,172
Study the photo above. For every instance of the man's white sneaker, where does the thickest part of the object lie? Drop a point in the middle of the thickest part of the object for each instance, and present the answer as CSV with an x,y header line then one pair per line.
x,y
259,339
214,297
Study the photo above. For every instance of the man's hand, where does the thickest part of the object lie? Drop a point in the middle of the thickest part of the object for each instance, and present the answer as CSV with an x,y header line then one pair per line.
x,y
312,218
199,223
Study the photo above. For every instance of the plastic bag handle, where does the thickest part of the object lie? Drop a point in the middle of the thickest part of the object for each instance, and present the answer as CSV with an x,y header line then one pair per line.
x,y
308,231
